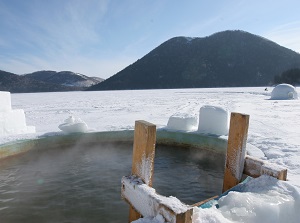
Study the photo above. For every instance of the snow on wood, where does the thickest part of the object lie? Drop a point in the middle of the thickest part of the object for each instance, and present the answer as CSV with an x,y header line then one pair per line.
x,y
236,150
255,167
143,156
144,151
150,204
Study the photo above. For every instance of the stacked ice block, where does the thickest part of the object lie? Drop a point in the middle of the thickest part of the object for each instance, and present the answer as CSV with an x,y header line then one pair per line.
x,y
12,121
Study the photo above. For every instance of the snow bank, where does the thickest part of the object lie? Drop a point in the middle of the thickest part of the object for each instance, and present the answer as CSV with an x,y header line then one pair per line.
x,y
12,122
183,122
264,199
213,120
73,124
254,151
284,92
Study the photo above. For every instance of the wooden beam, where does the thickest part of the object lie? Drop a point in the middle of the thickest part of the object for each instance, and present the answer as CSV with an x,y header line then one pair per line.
x,y
204,201
236,150
143,156
150,204
133,214
255,167
185,217
144,151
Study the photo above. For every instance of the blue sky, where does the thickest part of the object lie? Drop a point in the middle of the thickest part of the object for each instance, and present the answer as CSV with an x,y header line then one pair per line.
x,y
101,37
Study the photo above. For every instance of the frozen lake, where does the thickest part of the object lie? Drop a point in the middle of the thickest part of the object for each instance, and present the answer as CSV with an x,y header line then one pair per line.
x,y
273,132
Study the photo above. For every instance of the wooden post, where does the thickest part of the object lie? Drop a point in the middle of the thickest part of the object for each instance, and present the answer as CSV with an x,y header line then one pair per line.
x,y
256,167
236,150
185,217
147,202
143,156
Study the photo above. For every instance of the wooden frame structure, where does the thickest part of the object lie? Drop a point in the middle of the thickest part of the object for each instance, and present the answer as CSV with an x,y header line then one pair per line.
x,y
143,199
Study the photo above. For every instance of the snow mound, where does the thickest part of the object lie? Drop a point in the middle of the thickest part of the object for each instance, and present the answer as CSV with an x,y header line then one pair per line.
x,y
284,92
213,120
12,122
183,122
254,151
73,124
264,199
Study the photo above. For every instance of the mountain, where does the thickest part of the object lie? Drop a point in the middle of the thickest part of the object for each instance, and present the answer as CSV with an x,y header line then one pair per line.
x,y
21,84
64,78
45,81
291,76
224,59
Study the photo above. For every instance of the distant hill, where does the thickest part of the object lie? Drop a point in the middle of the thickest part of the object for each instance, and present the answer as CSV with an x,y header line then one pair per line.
x,y
65,78
45,81
21,84
291,76
224,59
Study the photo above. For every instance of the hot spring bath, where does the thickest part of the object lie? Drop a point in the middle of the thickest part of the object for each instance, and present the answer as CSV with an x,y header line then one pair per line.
x,y
77,179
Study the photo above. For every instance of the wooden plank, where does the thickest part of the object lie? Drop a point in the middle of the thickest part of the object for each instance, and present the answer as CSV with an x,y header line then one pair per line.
x,y
204,201
144,151
236,150
150,204
255,167
185,217
133,214
143,156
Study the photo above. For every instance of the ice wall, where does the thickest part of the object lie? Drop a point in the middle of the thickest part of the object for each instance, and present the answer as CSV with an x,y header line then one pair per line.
x,y
213,120
12,121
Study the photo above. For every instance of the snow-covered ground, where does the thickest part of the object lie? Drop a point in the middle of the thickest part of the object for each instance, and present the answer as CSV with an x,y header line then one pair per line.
x,y
274,129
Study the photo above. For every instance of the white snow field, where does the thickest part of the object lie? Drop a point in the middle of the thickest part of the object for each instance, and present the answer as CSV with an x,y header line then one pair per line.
x,y
274,134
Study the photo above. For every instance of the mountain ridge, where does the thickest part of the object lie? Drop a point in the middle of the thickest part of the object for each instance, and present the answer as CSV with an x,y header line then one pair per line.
x,y
224,59
45,81
66,78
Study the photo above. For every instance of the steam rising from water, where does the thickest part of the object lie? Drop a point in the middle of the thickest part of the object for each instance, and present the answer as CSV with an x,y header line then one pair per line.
x,y
83,182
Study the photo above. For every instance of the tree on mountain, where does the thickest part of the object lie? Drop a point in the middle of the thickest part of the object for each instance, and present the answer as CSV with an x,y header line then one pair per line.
x,y
291,76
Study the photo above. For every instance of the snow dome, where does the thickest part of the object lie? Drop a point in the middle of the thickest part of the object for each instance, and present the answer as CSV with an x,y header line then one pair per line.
x,y
284,92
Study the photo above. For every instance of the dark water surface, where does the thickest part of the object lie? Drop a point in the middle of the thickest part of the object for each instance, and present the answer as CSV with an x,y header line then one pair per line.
x,y
82,184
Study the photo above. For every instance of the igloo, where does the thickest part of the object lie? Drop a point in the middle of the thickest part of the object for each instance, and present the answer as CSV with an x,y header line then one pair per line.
x,y
213,120
12,121
284,92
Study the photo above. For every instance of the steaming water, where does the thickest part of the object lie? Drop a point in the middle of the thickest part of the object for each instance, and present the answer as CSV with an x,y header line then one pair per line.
x,y
83,184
